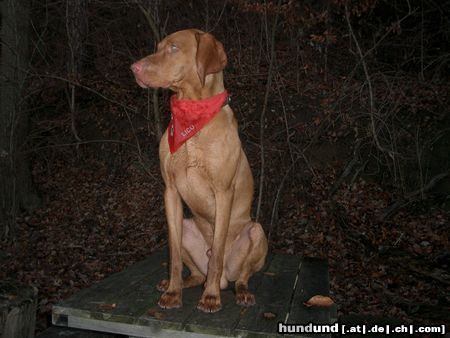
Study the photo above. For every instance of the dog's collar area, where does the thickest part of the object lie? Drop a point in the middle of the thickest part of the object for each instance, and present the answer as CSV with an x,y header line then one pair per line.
x,y
227,100
190,116
206,101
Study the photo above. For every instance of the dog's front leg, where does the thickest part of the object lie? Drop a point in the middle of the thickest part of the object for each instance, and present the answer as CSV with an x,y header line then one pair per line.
x,y
171,298
210,300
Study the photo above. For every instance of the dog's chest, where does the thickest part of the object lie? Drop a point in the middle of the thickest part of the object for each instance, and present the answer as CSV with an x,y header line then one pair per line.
x,y
188,157
190,174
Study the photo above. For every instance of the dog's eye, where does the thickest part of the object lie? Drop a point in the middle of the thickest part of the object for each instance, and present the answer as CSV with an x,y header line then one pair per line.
x,y
173,47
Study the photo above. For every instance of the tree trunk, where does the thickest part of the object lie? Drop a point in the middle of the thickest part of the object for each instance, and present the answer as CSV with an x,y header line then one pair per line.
x,y
16,189
77,30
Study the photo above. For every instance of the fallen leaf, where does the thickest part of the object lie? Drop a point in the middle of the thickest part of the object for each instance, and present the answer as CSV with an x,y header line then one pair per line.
x,y
11,297
270,274
155,313
269,315
319,300
105,306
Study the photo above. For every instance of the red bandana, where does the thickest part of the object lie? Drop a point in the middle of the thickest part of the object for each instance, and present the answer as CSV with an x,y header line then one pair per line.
x,y
190,116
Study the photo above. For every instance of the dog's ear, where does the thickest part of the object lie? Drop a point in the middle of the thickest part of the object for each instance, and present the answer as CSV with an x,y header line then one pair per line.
x,y
211,57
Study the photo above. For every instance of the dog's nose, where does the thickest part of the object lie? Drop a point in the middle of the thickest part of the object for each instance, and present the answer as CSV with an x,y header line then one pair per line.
x,y
136,67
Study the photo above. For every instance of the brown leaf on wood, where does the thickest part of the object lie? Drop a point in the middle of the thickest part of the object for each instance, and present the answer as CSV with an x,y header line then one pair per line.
x,y
105,306
270,274
269,315
319,300
155,313
11,296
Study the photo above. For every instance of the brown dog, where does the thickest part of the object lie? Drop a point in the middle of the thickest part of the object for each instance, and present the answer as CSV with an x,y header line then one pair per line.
x,y
210,172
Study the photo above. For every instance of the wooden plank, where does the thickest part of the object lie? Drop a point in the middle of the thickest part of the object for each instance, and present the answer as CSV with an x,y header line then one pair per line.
x,y
140,303
173,318
112,299
219,323
133,294
132,330
58,332
274,295
281,263
261,320
313,280
226,321
137,302
118,282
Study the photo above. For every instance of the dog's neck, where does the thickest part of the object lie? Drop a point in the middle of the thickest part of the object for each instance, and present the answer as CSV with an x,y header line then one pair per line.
x,y
190,116
213,86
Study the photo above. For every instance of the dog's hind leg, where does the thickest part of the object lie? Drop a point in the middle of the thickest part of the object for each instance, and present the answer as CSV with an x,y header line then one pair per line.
x,y
246,257
196,277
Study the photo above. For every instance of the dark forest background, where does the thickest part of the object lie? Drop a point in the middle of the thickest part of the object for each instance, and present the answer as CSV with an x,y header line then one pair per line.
x,y
342,109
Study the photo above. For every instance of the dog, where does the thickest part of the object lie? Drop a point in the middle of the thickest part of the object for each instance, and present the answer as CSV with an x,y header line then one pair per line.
x,y
203,164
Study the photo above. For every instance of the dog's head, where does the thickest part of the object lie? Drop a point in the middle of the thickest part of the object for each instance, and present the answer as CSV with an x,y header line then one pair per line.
x,y
184,57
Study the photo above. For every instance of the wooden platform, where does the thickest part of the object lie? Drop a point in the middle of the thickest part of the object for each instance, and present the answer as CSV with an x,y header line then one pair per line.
x,y
125,303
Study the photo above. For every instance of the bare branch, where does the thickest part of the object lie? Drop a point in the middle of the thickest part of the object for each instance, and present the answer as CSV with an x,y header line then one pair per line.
x,y
263,113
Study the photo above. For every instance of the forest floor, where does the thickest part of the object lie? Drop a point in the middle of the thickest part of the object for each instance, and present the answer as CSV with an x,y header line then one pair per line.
x,y
95,222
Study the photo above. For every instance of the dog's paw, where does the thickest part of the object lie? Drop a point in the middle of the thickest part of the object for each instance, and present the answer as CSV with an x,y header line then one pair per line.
x,y
163,285
170,300
245,298
209,303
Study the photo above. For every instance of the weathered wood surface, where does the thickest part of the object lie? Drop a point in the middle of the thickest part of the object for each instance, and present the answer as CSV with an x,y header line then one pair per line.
x,y
65,332
18,304
126,302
